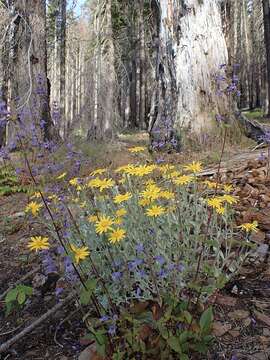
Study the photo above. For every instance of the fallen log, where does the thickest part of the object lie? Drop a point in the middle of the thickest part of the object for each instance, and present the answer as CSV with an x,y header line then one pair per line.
x,y
5,346
252,128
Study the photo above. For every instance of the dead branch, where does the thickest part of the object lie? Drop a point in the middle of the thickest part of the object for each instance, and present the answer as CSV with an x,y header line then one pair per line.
x,y
26,276
5,346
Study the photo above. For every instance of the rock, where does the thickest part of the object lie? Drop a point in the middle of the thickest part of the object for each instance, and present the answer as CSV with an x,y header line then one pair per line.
x,y
258,237
262,317
234,333
219,329
90,353
266,332
238,314
226,300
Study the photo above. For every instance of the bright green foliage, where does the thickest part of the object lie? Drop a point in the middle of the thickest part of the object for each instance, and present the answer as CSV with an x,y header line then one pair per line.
x,y
16,297
9,182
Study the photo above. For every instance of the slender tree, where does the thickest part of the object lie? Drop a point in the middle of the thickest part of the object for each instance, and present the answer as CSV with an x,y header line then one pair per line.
x,y
266,18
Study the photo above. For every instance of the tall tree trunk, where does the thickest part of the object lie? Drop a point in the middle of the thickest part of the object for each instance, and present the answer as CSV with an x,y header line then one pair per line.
x,y
187,59
63,15
28,75
143,123
266,17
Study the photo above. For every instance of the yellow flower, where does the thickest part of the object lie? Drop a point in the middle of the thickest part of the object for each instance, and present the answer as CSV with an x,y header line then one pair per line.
x,y
118,221
61,176
92,218
121,212
144,202
220,210
166,194
210,184
53,197
248,227
166,168
74,182
228,188
33,207
38,243
36,195
83,205
117,235
98,172
122,181
118,199
171,208
136,149
151,192
172,175
194,167
229,199
125,169
215,202
104,224
155,211
183,180
141,170
80,253
102,184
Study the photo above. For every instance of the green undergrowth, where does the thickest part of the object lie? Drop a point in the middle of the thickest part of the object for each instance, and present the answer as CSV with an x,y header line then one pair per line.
x,y
9,182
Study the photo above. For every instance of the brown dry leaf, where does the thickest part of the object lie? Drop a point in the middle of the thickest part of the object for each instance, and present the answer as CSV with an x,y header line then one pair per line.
x,y
262,317
226,300
234,333
144,332
140,307
219,329
264,340
238,314
247,322
258,237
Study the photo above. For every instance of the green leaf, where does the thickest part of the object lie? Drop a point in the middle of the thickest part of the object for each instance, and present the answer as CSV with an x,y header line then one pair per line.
x,y
91,284
187,316
174,344
21,297
85,297
11,295
206,320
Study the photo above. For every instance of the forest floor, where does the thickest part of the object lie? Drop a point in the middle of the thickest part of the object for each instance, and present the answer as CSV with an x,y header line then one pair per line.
x,y
242,308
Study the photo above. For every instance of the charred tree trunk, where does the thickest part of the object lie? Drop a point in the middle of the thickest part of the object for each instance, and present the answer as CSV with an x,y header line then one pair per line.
x,y
266,18
28,75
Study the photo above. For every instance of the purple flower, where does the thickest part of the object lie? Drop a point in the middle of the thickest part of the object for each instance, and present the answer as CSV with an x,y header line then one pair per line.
x,y
138,292
58,291
104,318
48,263
139,248
162,273
112,330
160,259
133,264
116,275
141,273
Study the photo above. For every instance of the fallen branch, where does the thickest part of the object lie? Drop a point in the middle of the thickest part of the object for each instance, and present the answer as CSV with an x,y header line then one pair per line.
x,y
4,347
26,276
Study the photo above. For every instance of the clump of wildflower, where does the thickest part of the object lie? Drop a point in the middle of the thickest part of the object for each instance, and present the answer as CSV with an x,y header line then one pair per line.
x,y
80,253
249,227
229,199
92,218
193,167
101,184
74,182
136,149
98,172
117,235
33,207
61,176
104,224
38,243
121,212
155,211
183,180
151,193
118,199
